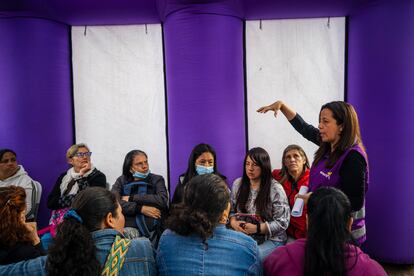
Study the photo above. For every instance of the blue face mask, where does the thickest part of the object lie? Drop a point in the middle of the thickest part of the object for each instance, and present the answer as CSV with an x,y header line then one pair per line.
x,y
141,175
204,170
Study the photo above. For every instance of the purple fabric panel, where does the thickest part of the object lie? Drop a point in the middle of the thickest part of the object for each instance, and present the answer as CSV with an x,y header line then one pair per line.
x,y
205,89
36,112
381,86
271,9
91,12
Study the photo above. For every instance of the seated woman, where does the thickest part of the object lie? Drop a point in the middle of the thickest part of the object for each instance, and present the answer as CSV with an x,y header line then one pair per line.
x,y
328,249
260,206
81,175
11,173
293,175
18,238
86,241
202,160
144,197
197,241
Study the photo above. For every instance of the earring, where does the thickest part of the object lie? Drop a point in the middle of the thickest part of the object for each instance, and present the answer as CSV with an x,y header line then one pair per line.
x,y
224,220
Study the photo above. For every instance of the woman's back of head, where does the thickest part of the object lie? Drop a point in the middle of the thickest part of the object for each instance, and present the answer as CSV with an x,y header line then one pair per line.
x,y
73,251
205,199
12,211
329,221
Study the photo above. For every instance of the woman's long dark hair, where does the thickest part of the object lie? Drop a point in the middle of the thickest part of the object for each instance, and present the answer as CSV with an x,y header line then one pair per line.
x,y
329,211
195,153
345,115
73,250
129,158
263,203
205,199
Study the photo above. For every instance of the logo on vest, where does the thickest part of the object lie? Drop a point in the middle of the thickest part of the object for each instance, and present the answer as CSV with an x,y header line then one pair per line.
x,y
327,175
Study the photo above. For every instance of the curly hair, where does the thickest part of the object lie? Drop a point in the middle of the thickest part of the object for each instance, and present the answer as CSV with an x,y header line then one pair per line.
x,y
12,227
205,199
73,251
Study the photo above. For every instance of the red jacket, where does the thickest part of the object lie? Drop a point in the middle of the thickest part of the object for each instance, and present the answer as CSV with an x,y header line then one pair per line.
x,y
297,226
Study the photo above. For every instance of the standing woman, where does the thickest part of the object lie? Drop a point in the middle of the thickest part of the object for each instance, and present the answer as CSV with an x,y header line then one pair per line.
x,y
341,160
18,239
202,160
258,194
293,175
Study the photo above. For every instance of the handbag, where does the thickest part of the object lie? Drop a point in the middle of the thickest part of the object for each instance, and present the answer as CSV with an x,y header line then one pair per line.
x,y
256,220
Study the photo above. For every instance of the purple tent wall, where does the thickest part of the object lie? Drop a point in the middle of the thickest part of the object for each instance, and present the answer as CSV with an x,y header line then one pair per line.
x,y
36,112
205,86
381,86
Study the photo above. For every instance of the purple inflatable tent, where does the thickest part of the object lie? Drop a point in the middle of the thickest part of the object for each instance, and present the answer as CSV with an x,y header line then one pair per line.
x,y
36,118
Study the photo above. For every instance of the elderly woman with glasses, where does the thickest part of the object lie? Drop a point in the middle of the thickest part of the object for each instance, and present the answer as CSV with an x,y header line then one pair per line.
x,y
81,175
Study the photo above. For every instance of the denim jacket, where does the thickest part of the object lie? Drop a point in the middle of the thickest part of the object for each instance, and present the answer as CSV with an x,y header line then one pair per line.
x,y
140,256
139,259
227,252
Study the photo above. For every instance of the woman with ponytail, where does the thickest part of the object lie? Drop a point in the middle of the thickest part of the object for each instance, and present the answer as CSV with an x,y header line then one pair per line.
x,y
328,249
91,234
197,241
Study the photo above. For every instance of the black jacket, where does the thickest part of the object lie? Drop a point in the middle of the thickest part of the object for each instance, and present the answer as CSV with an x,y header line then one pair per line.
x,y
157,196
95,179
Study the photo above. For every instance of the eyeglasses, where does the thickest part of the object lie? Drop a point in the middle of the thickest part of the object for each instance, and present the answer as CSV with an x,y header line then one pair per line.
x,y
83,154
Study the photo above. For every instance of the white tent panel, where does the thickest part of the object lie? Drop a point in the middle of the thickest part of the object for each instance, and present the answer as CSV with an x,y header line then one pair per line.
x,y
299,61
119,94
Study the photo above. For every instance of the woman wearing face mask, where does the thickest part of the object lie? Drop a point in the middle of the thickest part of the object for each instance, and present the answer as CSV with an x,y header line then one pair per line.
x,y
258,194
202,160
293,175
341,160
80,176
144,197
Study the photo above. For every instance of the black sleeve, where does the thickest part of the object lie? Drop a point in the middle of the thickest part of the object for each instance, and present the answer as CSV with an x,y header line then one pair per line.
x,y
128,208
353,178
308,131
96,179
22,252
159,199
54,195
178,193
